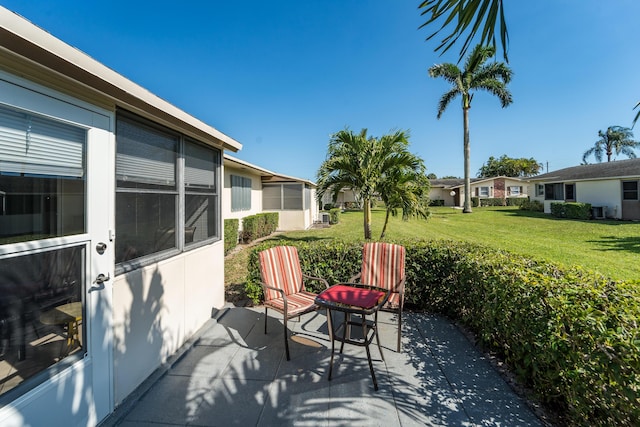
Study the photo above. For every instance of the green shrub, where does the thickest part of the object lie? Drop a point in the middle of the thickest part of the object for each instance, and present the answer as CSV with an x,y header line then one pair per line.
x,y
259,225
572,210
230,234
571,335
475,202
334,216
328,207
438,202
532,205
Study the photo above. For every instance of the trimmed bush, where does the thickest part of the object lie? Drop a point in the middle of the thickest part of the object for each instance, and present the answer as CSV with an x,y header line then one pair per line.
x,y
334,215
328,207
438,202
259,225
230,234
532,205
571,335
571,210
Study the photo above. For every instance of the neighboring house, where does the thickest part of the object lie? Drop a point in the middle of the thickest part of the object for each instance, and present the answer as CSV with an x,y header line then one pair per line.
x,y
451,191
346,198
111,251
611,188
250,189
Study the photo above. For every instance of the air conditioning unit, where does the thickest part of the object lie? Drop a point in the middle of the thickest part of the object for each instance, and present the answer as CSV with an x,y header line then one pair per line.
x,y
599,212
326,218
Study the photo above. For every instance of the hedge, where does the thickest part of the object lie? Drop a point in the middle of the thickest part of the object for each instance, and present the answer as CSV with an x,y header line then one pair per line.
x,y
230,234
571,335
334,215
259,225
572,210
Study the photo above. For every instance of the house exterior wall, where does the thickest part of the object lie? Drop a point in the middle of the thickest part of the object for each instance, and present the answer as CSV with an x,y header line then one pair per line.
x,y
158,307
442,194
256,193
601,193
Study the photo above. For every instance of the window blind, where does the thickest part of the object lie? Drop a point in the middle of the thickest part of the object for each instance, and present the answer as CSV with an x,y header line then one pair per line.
x,y
199,166
34,145
145,155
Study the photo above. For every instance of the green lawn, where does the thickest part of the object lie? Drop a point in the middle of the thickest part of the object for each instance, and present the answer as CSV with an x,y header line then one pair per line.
x,y
611,247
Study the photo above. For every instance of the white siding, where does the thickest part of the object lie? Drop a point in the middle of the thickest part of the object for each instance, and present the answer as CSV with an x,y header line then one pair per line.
x,y
601,193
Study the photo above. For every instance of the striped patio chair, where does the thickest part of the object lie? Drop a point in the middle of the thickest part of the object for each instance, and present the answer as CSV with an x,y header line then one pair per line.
x,y
283,285
383,266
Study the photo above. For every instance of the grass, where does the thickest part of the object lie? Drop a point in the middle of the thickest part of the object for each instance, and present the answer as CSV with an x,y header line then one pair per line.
x,y
610,247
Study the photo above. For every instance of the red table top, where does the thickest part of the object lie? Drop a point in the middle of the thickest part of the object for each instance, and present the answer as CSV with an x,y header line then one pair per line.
x,y
358,297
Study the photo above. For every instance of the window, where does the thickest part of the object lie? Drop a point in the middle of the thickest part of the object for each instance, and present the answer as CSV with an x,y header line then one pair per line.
x,y
553,192
240,193
42,177
570,191
515,191
629,190
539,189
282,196
160,174
483,191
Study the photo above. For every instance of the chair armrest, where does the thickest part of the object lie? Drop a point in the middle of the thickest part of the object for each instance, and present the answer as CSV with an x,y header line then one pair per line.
x,y
320,279
354,278
264,285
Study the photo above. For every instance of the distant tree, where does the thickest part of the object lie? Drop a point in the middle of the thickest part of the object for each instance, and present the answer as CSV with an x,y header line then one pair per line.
x,y
476,75
432,176
462,14
616,139
450,177
362,163
405,190
506,166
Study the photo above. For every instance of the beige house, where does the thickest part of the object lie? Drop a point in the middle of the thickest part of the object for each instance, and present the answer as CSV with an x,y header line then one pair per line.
x,y
250,189
111,250
612,188
347,197
451,191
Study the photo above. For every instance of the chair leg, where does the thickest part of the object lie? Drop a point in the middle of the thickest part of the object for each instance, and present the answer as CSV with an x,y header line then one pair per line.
x,y
399,330
265,319
286,339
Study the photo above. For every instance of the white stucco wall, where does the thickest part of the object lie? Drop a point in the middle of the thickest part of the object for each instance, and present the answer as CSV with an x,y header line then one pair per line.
x,y
256,193
158,307
601,193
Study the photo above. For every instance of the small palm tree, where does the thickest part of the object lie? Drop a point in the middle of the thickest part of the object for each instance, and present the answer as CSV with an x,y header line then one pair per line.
x,y
476,75
360,162
616,139
407,191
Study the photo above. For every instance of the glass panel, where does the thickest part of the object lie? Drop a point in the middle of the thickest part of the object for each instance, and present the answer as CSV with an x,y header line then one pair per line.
x,y
145,156
200,167
145,224
200,217
37,207
630,190
271,197
292,196
41,313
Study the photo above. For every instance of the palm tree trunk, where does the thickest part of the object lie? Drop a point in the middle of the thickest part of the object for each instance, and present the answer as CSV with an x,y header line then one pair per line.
x,y
384,227
467,156
367,218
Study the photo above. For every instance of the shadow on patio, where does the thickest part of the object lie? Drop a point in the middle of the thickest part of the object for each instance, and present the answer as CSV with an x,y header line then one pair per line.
x,y
234,374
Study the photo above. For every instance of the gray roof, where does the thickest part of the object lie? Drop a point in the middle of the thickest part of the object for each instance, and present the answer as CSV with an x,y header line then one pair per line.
x,y
616,169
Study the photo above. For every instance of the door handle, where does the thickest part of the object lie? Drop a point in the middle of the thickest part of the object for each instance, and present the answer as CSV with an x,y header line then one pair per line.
x,y
101,279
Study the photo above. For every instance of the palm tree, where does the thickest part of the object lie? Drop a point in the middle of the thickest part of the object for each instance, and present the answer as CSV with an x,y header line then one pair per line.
x,y
476,75
637,115
360,162
462,14
405,190
616,139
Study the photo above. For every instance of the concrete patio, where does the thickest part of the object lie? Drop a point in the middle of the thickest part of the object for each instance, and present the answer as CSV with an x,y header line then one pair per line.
x,y
234,374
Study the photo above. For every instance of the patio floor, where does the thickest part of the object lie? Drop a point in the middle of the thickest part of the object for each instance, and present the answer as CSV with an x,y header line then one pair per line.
x,y
234,374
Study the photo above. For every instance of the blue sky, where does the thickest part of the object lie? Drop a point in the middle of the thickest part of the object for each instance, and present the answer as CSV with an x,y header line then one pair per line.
x,y
282,76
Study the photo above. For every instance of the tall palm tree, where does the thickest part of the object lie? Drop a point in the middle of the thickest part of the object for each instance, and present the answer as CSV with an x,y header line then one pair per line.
x,y
359,162
616,139
476,75
407,191
637,115
466,15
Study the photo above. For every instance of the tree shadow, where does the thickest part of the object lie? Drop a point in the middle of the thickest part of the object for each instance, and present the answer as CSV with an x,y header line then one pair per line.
x,y
613,243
